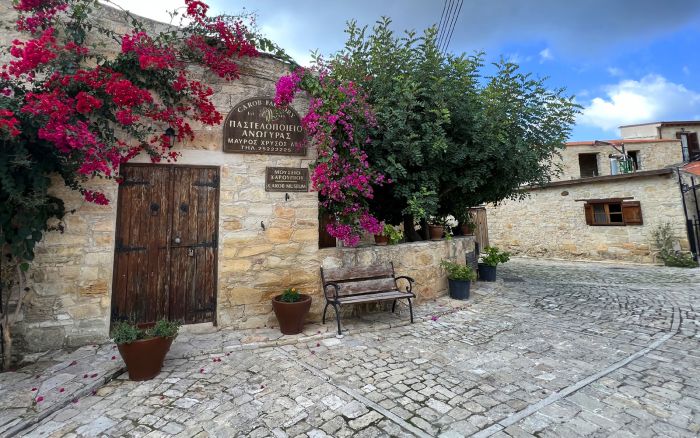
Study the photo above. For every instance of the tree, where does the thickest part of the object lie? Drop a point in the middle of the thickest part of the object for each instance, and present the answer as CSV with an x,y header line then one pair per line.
x,y
448,136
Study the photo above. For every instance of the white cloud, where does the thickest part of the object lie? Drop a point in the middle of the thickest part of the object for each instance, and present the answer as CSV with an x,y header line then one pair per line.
x,y
614,71
686,70
650,99
546,55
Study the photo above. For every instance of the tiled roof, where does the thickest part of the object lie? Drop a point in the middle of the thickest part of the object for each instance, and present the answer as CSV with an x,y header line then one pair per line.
x,y
693,168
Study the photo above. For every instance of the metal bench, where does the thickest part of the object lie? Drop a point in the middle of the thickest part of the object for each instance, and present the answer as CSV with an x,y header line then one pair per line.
x,y
364,285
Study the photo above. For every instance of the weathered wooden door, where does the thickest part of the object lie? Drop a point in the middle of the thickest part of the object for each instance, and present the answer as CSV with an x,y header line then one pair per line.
x,y
166,242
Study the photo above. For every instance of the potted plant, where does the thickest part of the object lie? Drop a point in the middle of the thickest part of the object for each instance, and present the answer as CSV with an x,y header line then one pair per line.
x,y
382,239
467,224
459,278
435,229
489,261
441,225
144,350
290,309
391,235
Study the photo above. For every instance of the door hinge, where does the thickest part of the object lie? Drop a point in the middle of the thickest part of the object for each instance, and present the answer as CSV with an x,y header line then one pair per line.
x,y
214,183
126,248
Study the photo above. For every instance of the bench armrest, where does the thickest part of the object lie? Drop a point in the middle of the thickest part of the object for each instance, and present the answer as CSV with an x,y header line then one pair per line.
x,y
335,289
409,289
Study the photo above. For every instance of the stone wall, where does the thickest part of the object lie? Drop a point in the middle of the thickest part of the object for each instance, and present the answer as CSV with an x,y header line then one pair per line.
x,y
652,154
551,223
420,260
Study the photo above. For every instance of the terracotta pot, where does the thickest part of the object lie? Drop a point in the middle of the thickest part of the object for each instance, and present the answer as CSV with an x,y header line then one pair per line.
x,y
467,230
436,231
381,240
291,315
144,358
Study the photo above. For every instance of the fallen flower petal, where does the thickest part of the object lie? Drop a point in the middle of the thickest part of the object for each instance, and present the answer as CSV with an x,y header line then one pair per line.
x,y
39,399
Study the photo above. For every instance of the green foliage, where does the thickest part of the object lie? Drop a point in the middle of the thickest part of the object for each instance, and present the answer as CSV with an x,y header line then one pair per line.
x,y
494,256
446,131
290,295
421,205
164,328
664,237
456,271
125,332
394,234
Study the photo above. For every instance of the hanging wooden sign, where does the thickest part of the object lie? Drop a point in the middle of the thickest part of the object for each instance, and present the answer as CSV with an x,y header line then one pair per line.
x,y
286,179
257,126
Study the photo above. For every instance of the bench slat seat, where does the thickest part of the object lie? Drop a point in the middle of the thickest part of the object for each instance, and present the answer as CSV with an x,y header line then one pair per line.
x,y
364,285
379,296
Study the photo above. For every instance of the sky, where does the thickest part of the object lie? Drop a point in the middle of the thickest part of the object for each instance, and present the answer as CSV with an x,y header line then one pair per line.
x,y
625,61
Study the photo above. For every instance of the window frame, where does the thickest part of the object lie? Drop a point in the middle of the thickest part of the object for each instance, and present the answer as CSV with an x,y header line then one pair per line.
x,y
630,212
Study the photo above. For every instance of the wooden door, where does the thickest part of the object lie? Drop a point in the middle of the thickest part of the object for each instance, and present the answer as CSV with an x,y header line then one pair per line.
x,y
165,252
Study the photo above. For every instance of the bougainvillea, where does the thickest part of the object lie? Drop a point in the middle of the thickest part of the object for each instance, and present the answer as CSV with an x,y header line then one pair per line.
x,y
337,122
66,109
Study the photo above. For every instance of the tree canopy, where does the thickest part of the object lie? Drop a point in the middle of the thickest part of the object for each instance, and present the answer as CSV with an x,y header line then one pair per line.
x,y
448,135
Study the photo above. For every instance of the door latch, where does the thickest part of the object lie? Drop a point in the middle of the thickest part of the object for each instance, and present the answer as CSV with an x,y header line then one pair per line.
x,y
190,252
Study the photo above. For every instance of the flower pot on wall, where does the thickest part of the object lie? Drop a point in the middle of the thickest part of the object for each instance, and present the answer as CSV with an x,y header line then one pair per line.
x,y
486,272
467,230
144,358
459,289
291,315
436,231
381,240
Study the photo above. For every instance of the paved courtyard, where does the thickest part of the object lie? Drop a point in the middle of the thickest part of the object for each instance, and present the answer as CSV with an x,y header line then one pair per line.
x,y
561,349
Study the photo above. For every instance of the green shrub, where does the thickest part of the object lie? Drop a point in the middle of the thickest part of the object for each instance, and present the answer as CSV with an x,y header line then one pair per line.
x,y
455,271
494,256
290,295
664,237
394,234
680,260
125,332
163,328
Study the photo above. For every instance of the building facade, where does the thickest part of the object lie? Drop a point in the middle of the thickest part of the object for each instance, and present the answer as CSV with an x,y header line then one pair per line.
x,y
608,198
208,239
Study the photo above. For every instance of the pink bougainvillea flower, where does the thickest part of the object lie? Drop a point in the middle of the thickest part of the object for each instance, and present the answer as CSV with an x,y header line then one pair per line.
x,y
434,318
93,392
93,375
85,376
61,389
318,344
114,357
34,389
39,399
201,370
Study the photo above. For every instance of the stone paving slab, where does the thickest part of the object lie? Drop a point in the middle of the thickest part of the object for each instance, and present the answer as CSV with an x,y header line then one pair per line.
x,y
61,378
538,357
55,380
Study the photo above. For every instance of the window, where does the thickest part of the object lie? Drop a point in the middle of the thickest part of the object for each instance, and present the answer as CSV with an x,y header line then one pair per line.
x,y
588,164
613,212
690,145
634,155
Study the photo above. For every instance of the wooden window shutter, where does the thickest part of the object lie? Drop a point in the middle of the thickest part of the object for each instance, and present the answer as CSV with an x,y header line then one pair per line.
x,y
632,213
589,213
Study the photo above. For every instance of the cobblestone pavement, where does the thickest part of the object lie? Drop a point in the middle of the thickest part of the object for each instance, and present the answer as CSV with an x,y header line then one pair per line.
x,y
562,349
